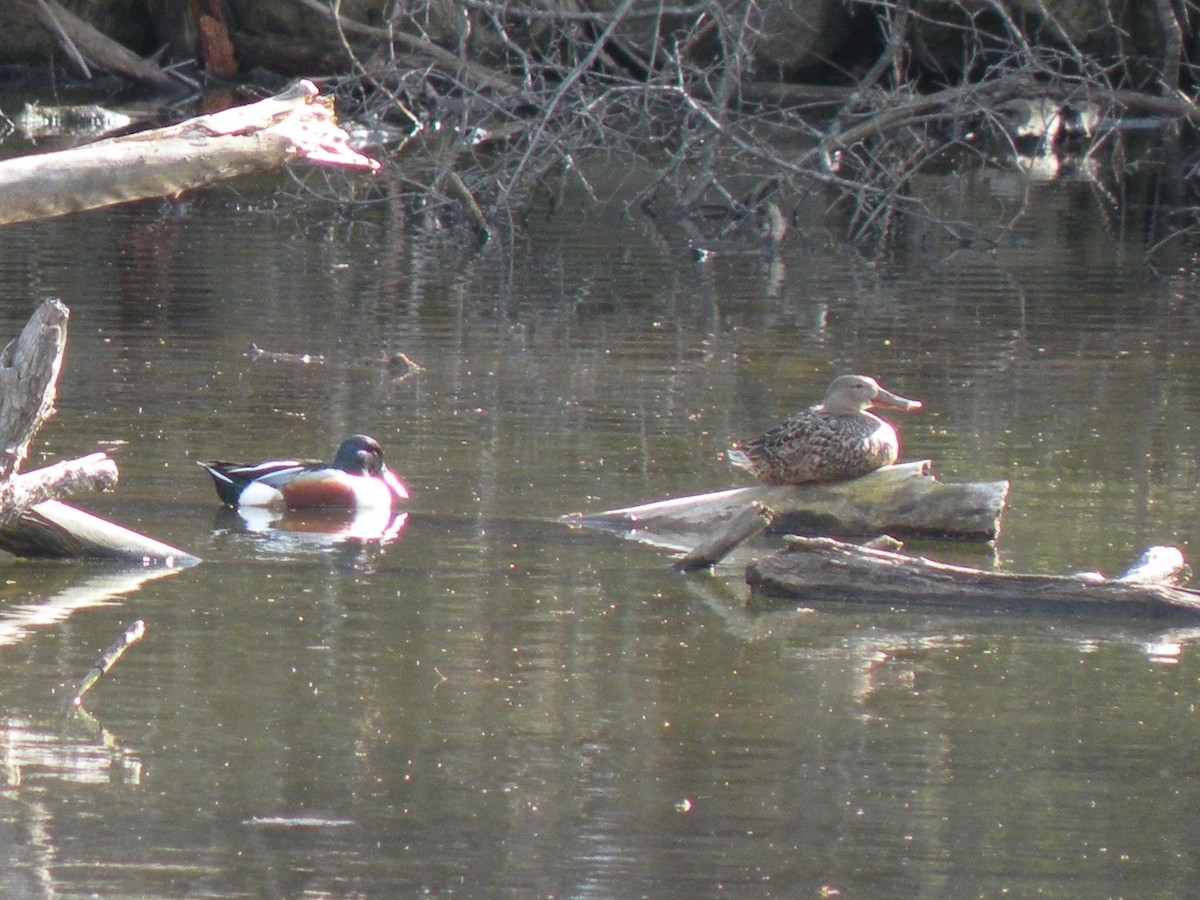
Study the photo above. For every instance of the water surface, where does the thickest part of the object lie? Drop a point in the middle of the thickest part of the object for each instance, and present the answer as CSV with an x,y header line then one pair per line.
x,y
495,705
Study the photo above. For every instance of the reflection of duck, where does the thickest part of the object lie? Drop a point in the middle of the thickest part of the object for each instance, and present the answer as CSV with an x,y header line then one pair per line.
x,y
357,479
320,527
352,540
834,441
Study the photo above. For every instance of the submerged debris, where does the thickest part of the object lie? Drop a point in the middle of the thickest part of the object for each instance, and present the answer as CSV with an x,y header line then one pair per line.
x,y
399,364
257,352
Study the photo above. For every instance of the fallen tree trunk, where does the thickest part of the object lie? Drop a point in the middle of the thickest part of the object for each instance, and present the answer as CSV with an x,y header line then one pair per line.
x,y
294,126
905,500
816,570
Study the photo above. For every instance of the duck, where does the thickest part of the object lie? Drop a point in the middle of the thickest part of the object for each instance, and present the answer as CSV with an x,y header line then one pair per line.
x,y
836,440
357,479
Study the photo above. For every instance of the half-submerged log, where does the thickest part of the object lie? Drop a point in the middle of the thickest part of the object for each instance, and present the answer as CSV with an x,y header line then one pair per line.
x,y
295,126
816,570
904,500
56,530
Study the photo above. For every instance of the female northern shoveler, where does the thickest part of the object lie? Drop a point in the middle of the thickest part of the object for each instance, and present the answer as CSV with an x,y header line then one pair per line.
x,y
356,479
834,441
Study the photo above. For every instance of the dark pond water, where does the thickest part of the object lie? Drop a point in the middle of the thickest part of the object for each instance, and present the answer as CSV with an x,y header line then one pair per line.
x,y
495,705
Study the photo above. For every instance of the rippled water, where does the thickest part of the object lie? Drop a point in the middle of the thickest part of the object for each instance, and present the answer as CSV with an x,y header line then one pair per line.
x,y
493,704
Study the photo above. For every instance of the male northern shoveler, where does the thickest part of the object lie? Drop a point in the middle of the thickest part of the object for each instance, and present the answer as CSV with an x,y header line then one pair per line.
x,y
834,441
356,479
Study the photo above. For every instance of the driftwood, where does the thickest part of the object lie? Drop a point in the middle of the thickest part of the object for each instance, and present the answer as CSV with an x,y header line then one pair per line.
x,y
904,499
813,570
32,520
294,126
29,368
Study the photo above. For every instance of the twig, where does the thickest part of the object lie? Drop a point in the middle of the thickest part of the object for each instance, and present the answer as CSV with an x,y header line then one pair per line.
x,y
108,659
49,20
459,189
379,86
1172,44
548,111
482,75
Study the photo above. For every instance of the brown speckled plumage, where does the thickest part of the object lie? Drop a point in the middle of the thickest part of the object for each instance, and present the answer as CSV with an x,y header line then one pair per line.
x,y
835,441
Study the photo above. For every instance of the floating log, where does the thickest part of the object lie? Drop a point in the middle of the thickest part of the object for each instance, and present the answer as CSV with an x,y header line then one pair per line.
x,y
905,500
36,122
294,126
815,570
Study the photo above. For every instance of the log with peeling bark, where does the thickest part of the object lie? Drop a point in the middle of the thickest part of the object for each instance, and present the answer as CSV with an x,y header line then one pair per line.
x,y
296,126
32,520
904,499
824,570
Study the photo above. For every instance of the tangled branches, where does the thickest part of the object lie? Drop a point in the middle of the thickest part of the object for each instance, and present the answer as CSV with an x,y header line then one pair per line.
x,y
736,118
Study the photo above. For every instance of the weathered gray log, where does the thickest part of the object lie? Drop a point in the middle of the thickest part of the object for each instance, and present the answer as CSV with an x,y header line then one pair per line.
x,y
904,499
1158,565
95,472
32,521
293,126
814,570
29,368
